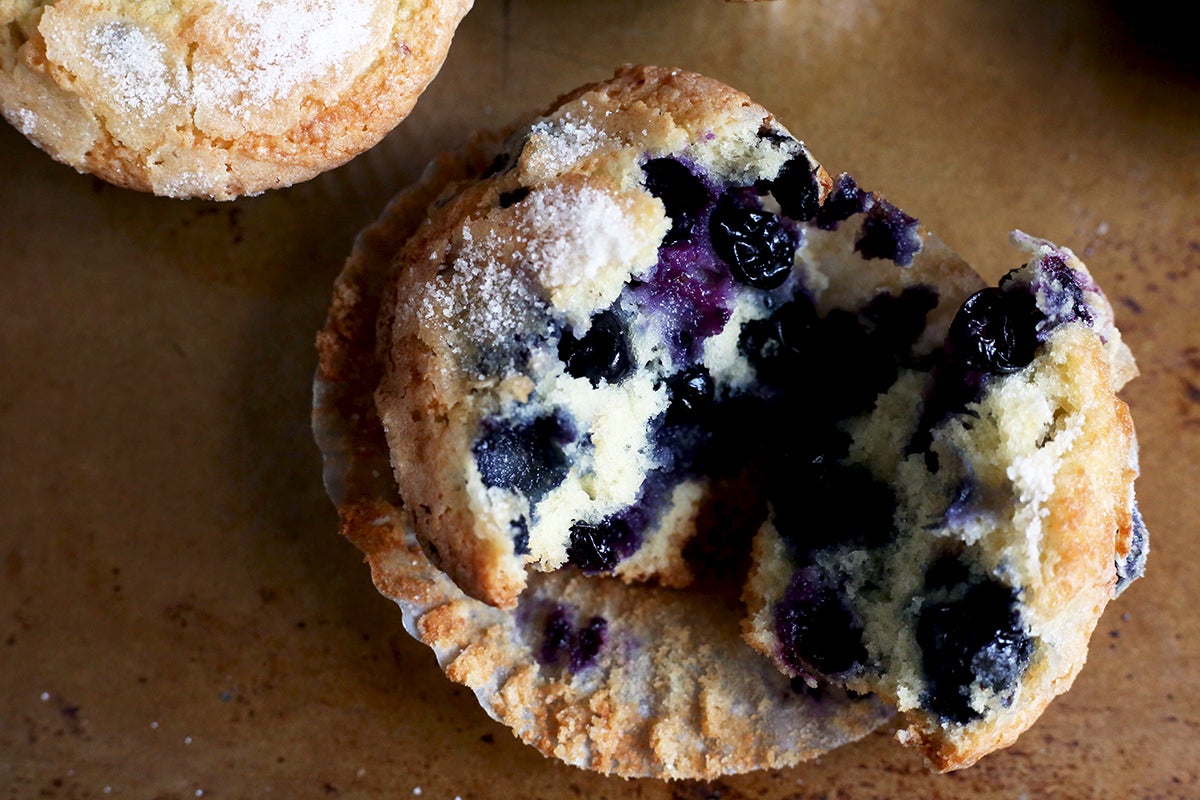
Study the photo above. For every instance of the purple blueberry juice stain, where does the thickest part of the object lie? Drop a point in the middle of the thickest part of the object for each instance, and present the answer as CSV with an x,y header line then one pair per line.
x,y
690,294
1060,294
565,643
1133,565
588,642
556,636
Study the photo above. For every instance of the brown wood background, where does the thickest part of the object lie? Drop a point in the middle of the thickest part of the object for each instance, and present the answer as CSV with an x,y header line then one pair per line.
x,y
179,619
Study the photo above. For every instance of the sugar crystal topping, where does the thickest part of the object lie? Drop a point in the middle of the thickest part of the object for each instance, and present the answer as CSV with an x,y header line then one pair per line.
x,y
574,233
133,66
555,145
282,46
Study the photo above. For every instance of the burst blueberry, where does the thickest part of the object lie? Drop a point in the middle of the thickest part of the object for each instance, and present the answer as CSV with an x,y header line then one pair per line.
x,y
756,247
602,354
974,640
846,200
597,547
888,233
796,189
815,629
588,642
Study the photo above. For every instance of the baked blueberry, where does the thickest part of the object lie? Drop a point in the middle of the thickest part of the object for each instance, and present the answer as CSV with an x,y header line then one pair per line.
x,y
995,331
974,642
526,457
597,547
602,354
796,189
816,630
587,644
758,249
844,201
683,195
888,233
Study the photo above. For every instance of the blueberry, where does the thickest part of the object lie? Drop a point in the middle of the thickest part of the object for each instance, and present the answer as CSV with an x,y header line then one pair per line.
x,y
1134,563
691,393
603,354
814,627
527,457
758,249
843,202
976,639
587,644
598,547
778,346
520,532
797,190
1060,293
888,233
995,331
683,195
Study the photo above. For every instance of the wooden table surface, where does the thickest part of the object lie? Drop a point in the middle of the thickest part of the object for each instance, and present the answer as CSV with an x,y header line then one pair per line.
x,y
178,617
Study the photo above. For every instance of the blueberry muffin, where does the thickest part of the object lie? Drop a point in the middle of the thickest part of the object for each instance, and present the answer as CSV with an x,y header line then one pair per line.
x,y
952,545
570,343
215,99
627,679
640,374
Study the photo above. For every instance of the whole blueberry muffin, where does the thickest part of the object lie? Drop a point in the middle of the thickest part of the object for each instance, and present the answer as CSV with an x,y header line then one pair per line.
x,y
951,546
215,99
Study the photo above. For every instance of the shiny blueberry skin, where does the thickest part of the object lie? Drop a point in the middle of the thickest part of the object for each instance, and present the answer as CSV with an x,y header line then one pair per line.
x,y
756,247
683,195
603,354
526,457
995,331
972,637
691,392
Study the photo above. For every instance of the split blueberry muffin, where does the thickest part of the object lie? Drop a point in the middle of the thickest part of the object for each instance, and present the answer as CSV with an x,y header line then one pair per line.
x,y
568,377
951,545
